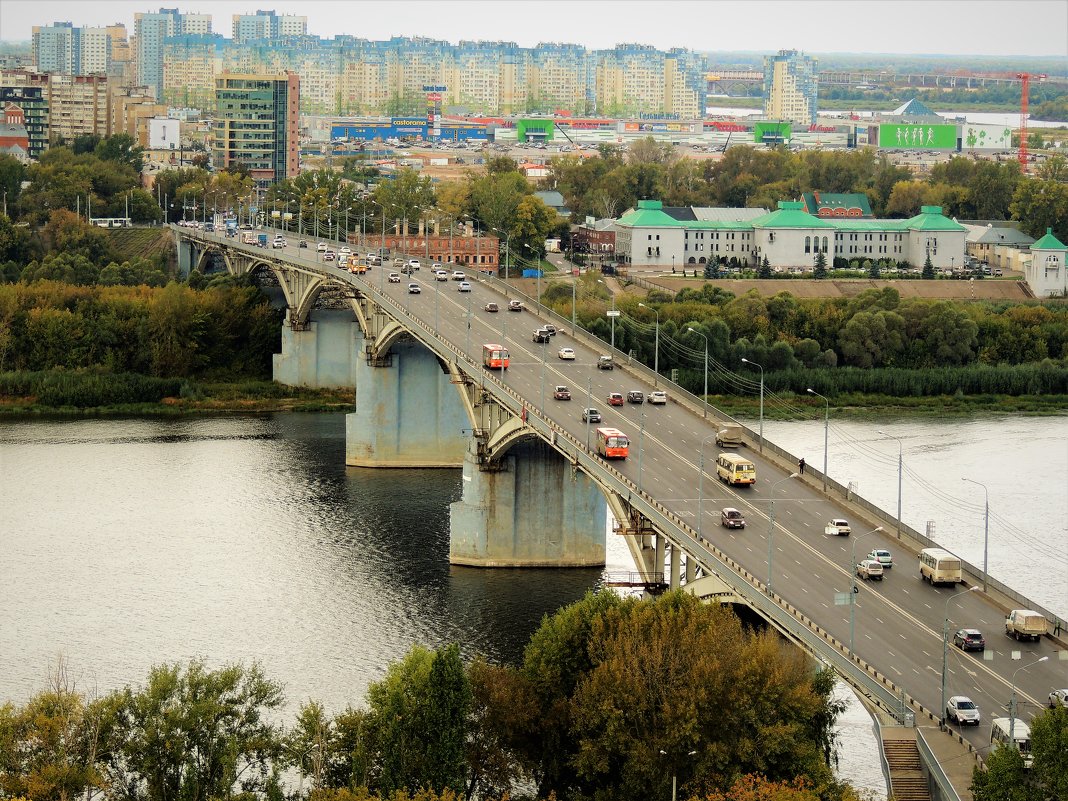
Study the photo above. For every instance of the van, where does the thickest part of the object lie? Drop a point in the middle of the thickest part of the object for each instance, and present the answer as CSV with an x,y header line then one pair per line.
x,y
734,469
1021,737
939,566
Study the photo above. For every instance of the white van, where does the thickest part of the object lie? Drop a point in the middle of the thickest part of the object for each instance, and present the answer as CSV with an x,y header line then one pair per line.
x,y
1021,734
939,566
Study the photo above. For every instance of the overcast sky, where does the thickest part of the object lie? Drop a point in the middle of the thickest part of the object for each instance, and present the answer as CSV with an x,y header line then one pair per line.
x,y
988,27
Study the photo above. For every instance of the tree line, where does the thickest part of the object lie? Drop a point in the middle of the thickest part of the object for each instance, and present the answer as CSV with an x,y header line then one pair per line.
x,y
612,698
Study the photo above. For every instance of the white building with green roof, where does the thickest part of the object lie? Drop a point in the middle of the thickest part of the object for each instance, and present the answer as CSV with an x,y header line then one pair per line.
x,y
789,237
1047,274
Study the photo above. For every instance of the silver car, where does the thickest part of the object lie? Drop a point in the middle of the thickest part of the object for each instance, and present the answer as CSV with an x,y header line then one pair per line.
x,y
962,710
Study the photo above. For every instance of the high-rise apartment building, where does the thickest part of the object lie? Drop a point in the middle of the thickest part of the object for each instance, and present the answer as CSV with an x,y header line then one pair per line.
x,y
77,104
791,80
151,29
257,125
33,102
61,47
267,25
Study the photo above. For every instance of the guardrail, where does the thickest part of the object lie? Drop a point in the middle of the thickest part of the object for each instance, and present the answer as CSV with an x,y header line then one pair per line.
x,y
946,790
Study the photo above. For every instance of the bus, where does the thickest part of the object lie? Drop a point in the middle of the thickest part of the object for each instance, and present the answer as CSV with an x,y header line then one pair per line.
x,y
1021,737
495,357
735,469
940,567
612,443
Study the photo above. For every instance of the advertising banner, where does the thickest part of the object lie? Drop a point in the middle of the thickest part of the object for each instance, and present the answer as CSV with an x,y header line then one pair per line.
x,y
771,132
986,137
914,136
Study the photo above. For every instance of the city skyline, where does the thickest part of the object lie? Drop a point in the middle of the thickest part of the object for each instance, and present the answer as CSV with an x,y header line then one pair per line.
x,y
949,28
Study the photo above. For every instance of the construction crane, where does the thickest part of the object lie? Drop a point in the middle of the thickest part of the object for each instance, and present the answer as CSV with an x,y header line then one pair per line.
x,y
1025,86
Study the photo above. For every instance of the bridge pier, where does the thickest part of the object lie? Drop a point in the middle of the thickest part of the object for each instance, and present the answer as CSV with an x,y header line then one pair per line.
x,y
535,510
322,353
188,254
408,414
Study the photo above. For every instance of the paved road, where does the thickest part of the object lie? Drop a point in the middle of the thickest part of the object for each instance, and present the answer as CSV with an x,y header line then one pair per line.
x,y
898,621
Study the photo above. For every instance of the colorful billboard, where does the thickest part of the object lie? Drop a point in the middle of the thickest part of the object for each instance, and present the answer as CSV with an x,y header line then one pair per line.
x,y
986,137
914,136
772,132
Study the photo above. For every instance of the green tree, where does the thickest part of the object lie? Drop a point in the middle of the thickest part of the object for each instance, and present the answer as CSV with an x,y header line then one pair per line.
x,y
820,268
194,734
872,339
1004,779
121,148
448,704
873,271
12,174
928,269
1049,745
1039,205
765,269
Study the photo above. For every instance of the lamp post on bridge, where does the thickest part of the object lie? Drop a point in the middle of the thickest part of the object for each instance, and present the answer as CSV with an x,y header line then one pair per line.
x,y
704,407
986,525
900,453
761,368
701,488
945,648
612,314
656,346
853,586
1012,701
771,526
826,428
507,250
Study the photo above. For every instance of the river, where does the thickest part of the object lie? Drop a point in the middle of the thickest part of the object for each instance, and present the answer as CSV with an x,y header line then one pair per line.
x,y
127,543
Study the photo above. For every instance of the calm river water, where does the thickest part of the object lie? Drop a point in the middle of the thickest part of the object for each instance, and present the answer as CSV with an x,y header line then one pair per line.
x,y
126,543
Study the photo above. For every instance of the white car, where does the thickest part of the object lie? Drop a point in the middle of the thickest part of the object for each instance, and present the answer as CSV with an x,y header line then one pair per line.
x,y
567,354
657,396
279,242
882,556
413,289
464,286
1058,697
345,251
321,247
394,278
413,264
962,710
458,275
441,275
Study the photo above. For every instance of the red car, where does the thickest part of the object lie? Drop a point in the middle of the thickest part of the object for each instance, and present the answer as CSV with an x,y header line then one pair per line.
x,y
615,399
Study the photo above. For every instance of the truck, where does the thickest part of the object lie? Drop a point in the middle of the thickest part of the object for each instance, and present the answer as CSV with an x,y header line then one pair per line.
x,y
837,527
729,436
1025,624
248,238
262,240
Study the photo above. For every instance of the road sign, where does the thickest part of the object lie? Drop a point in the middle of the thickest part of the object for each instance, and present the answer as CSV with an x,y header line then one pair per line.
x,y
612,313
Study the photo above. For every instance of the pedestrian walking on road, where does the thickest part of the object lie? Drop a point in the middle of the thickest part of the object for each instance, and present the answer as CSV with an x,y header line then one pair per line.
x,y
801,465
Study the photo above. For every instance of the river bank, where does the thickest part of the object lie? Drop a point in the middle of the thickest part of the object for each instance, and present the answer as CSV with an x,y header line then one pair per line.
x,y
858,406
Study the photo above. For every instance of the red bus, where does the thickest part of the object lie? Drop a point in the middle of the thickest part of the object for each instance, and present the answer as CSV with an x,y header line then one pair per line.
x,y
612,443
495,357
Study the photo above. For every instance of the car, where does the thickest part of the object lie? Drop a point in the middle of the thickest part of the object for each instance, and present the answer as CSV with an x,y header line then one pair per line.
x,y
961,709
550,328
441,275
657,396
458,275
882,556
321,247
398,262
561,393
605,363
730,517
615,398
414,264
394,278
414,289
279,243
372,255
969,640
591,416
567,354
302,243
635,396
437,265
209,228
870,570
464,286
515,305
540,335
1058,697
492,307
838,527
328,255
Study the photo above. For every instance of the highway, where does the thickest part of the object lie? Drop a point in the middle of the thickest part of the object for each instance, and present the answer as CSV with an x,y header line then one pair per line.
x,y
898,621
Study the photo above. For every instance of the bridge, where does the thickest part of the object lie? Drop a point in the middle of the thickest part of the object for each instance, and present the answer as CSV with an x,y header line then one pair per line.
x,y
534,489
735,81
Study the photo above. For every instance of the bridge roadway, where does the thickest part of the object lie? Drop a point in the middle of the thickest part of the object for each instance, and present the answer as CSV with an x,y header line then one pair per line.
x,y
898,622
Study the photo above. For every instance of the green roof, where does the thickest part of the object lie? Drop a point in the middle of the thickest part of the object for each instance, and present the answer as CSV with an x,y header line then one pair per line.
x,y
931,218
790,214
836,201
1048,242
650,214
860,224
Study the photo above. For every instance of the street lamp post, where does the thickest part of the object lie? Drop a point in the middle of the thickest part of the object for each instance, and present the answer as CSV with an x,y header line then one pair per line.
x,y
853,586
986,524
612,316
574,283
589,398
507,250
701,486
826,429
945,647
771,526
1012,701
900,451
674,776
761,368
704,397
656,346
641,447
